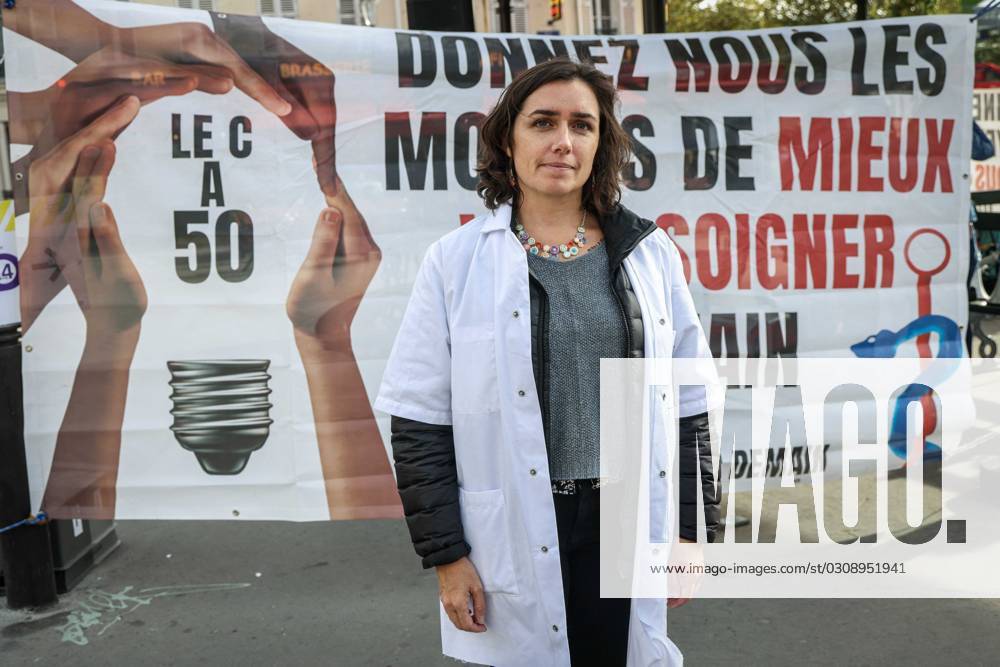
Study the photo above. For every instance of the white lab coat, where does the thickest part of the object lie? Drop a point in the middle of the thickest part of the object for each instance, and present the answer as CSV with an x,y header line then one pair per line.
x,y
462,357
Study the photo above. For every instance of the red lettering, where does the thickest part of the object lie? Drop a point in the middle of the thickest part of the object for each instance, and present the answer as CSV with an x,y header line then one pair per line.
x,y
899,182
937,154
810,250
820,152
675,225
879,237
706,223
743,250
842,251
846,142
768,224
869,151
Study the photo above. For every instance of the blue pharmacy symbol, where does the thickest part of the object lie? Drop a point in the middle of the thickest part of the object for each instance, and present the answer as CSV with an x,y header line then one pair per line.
x,y
885,343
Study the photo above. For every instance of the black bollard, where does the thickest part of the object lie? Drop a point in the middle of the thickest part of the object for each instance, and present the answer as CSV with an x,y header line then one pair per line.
x,y
29,578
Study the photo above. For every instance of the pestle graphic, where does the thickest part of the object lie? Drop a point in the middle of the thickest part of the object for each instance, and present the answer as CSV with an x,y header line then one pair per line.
x,y
220,410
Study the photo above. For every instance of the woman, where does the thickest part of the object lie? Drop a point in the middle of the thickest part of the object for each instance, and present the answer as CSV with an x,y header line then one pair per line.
x,y
493,384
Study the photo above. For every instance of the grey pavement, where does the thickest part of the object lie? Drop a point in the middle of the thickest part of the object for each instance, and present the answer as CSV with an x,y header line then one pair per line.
x,y
353,593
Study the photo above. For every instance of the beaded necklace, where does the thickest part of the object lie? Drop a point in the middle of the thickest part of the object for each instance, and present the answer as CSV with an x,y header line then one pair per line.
x,y
567,249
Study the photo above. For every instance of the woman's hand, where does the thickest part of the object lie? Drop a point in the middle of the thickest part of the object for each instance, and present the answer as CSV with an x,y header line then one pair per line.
x,y
686,553
458,581
52,243
341,262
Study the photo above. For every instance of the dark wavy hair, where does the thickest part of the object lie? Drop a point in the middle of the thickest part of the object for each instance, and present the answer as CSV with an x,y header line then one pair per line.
x,y
602,191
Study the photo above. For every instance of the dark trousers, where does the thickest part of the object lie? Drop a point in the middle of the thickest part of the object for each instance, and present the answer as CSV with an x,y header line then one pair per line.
x,y
597,628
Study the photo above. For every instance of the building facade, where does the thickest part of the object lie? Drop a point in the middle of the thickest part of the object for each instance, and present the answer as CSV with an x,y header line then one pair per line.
x,y
579,17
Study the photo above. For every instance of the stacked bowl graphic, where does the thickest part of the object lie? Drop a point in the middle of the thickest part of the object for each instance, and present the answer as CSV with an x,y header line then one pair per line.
x,y
221,410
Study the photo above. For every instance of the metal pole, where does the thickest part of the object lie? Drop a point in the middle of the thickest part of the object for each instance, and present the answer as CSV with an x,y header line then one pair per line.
x,y
654,16
27,552
503,9
862,12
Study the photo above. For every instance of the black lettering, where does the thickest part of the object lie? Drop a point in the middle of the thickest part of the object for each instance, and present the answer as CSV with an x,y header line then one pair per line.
x,y
930,33
782,344
399,137
175,136
736,151
753,335
636,124
473,61
803,41
893,58
201,134
244,246
688,60
626,70
728,81
463,126
408,75
541,52
211,184
238,145
690,127
772,85
723,330
858,84
583,47
502,58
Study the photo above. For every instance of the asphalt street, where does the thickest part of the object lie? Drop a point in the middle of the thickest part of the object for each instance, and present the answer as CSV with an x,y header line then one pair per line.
x,y
353,593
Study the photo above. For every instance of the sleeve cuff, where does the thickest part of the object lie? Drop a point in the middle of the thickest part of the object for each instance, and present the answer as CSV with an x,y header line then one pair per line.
x,y
447,555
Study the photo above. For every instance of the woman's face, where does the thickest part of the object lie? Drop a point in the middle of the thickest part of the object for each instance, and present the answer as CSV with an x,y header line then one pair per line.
x,y
555,139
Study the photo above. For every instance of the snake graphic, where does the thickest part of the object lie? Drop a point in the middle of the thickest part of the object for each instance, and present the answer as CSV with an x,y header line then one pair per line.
x,y
884,345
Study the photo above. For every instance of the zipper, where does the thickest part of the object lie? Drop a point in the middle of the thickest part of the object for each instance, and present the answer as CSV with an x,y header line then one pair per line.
x,y
543,344
625,320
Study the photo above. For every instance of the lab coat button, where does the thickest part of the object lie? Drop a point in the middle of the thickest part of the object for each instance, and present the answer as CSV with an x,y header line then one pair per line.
x,y
555,628
663,473
517,314
545,550
532,472
520,392
662,321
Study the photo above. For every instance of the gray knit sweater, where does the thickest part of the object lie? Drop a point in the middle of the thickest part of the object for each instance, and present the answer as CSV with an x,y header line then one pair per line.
x,y
585,324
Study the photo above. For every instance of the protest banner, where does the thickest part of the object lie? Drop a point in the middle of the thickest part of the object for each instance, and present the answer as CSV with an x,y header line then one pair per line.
x,y
208,347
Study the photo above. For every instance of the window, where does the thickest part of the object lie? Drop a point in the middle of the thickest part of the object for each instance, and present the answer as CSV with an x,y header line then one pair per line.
x,y
357,12
207,5
606,17
287,8
518,16
349,13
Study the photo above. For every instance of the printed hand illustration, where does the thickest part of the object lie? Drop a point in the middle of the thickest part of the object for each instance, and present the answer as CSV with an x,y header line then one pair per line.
x,y
340,264
321,305
44,118
84,474
64,26
104,280
52,245
299,79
